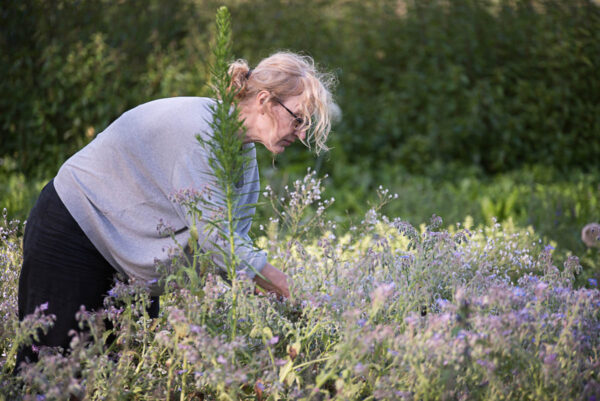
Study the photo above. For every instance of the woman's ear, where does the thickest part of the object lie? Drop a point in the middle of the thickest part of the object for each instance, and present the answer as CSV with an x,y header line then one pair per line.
x,y
262,99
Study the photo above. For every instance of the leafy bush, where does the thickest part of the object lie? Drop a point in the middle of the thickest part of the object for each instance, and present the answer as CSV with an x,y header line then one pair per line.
x,y
72,67
495,84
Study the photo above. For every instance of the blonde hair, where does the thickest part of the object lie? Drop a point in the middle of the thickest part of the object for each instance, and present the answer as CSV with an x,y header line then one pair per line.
x,y
590,235
286,74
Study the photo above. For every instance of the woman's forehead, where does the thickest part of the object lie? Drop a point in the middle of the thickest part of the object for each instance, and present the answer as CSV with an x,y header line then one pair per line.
x,y
297,103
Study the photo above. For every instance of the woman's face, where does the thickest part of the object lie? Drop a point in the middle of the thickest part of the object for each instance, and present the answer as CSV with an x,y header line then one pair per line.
x,y
273,125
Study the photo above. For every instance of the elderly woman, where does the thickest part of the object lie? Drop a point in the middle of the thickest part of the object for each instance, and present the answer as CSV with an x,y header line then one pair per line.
x,y
99,215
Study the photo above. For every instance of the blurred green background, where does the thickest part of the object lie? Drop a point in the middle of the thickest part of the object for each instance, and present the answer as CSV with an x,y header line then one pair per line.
x,y
482,108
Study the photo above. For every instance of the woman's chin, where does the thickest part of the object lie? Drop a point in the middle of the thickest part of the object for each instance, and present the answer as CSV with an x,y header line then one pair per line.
x,y
275,149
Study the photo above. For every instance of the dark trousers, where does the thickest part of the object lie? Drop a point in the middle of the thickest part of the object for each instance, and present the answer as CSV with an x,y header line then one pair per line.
x,y
62,268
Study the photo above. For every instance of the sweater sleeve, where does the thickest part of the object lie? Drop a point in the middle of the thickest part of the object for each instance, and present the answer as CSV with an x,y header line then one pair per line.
x,y
200,201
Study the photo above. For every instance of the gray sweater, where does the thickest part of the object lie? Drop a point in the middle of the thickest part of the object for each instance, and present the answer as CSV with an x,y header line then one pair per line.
x,y
121,187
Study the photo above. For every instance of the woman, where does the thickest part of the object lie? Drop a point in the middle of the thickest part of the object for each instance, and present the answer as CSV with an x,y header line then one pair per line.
x,y
100,214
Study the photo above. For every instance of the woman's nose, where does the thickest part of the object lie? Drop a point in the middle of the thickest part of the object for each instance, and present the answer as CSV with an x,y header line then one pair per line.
x,y
301,134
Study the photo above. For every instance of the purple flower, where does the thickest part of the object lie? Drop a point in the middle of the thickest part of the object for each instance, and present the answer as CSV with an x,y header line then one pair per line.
x,y
550,358
392,352
593,282
442,303
44,306
182,371
221,360
274,340
549,248
260,386
411,320
485,364
361,322
540,288
518,291
359,368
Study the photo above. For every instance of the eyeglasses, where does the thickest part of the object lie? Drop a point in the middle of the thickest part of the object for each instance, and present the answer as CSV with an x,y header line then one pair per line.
x,y
298,121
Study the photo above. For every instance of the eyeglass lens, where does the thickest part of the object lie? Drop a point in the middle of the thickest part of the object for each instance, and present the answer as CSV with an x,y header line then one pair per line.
x,y
298,121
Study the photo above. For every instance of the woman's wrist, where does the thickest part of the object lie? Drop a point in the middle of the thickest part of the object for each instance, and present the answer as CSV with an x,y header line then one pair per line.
x,y
273,280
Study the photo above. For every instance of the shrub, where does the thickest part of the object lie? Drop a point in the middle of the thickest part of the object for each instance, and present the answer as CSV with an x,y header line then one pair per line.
x,y
495,84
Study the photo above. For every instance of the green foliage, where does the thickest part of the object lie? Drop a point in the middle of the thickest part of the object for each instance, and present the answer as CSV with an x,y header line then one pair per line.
x,y
228,159
18,194
496,84
70,68
491,84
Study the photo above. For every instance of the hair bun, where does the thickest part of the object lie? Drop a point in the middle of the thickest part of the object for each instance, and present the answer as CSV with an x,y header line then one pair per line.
x,y
239,71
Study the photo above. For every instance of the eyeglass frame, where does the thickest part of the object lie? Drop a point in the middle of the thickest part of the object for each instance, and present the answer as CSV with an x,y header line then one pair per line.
x,y
299,121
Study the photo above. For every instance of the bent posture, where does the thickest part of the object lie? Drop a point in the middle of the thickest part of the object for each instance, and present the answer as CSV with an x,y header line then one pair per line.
x,y
99,215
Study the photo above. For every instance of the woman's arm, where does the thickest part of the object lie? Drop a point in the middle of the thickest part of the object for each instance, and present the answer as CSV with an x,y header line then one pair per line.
x,y
276,281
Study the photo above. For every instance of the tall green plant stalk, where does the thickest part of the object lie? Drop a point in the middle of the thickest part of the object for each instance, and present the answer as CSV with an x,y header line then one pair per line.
x,y
226,148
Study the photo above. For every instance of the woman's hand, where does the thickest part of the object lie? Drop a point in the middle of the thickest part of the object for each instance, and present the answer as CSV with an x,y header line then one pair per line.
x,y
274,281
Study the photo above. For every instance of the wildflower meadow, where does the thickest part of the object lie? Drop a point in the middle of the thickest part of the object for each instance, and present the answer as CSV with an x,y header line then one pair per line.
x,y
379,311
